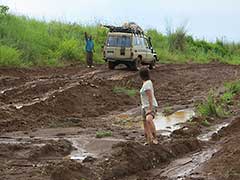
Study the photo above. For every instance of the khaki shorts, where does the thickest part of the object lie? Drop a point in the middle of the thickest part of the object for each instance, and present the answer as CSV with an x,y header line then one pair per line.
x,y
144,114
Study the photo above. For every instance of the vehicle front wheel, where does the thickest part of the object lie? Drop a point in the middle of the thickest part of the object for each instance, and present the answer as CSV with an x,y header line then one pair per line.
x,y
136,65
152,63
111,65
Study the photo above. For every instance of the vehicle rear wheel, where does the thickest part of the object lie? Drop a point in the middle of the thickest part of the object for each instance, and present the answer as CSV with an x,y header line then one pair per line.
x,y
111,65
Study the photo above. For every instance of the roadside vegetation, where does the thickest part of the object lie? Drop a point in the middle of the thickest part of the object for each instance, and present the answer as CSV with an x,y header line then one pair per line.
x,y
211,107
219,106
29,42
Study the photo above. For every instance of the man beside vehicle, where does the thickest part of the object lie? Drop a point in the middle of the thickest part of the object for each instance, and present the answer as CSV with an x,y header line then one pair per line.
x,y
89,50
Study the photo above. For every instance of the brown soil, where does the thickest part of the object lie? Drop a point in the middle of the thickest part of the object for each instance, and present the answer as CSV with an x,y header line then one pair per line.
x,y
59,148
225,164
71,170
133,158
84,98
76,92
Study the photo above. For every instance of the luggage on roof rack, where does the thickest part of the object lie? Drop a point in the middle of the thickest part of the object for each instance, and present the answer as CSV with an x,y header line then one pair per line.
x,y
126,28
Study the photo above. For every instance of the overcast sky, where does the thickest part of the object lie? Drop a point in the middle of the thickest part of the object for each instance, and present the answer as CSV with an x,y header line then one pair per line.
x,y
204,18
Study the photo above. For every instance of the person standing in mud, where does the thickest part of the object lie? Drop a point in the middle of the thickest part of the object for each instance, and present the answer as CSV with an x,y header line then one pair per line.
x,y
89,50
149,106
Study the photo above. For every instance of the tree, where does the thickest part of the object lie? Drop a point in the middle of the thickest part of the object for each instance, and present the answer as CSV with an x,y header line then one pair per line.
x,y
3,10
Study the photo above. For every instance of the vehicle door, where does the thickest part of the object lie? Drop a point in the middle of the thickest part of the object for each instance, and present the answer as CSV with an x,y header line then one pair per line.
x,y
149,54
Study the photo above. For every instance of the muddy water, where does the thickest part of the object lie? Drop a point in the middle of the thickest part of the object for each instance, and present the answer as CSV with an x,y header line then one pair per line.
x,y
167,124
184,167
91,147
214,129
84,146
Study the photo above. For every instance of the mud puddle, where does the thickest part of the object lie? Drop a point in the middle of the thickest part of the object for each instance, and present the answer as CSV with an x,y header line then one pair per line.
x,y
167,124
84,146
94,148
184,167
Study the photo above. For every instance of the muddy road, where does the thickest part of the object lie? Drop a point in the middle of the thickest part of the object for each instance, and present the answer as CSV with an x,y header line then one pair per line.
x,y
49,116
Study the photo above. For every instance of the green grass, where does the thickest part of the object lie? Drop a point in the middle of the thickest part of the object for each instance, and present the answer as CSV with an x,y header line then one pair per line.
x,y
31,42
124,90
227,97
215,106
10,56
210,108
206,123
47,44
102,134
233,87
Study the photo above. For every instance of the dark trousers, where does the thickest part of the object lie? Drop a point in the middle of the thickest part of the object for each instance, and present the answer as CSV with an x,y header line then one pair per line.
x,y
89,58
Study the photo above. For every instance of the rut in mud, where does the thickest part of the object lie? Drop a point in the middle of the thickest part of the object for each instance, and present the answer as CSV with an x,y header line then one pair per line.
x,y
33,98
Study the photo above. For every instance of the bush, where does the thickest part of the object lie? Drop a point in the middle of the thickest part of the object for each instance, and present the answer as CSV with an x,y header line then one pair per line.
x,y
69,50
177,39
9,56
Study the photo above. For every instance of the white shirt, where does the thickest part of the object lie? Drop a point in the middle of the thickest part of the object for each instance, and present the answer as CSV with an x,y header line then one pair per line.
x,y
147,85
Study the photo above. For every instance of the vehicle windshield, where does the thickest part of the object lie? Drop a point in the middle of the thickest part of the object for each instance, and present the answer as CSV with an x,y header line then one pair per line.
x,y
119,41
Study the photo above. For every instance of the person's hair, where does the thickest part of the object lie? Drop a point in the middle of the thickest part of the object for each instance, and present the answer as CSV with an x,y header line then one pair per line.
x,y
144,74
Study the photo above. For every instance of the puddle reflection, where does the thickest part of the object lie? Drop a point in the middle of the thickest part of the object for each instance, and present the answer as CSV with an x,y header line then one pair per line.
x,y
172,122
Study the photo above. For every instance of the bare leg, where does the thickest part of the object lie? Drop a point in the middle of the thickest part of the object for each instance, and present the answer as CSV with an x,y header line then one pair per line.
x,y
152,129
147,132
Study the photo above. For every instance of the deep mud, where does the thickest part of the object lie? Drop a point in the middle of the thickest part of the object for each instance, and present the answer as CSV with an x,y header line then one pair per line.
x,y
76,102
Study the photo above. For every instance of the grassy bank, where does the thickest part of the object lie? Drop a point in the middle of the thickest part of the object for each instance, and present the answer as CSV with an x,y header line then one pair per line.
x,y
29,42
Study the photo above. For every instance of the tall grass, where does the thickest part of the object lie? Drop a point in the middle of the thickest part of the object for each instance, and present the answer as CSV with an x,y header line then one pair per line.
x,y
53,43
30,42
9,56
179,47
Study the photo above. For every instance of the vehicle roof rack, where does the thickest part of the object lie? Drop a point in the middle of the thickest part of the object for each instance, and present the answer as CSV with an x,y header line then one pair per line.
x,y
126,28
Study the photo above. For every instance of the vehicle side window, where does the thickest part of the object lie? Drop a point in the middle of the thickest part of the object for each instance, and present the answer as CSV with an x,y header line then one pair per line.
x,y
142,43
137,41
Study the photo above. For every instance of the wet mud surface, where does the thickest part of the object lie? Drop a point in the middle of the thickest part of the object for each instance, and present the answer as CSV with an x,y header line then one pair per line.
x,y
49,119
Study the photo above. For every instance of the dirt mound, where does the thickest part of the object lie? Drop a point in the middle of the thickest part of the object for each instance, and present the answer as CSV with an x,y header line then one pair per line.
x,y
131,157
59,148
225,164
71,170
186,131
